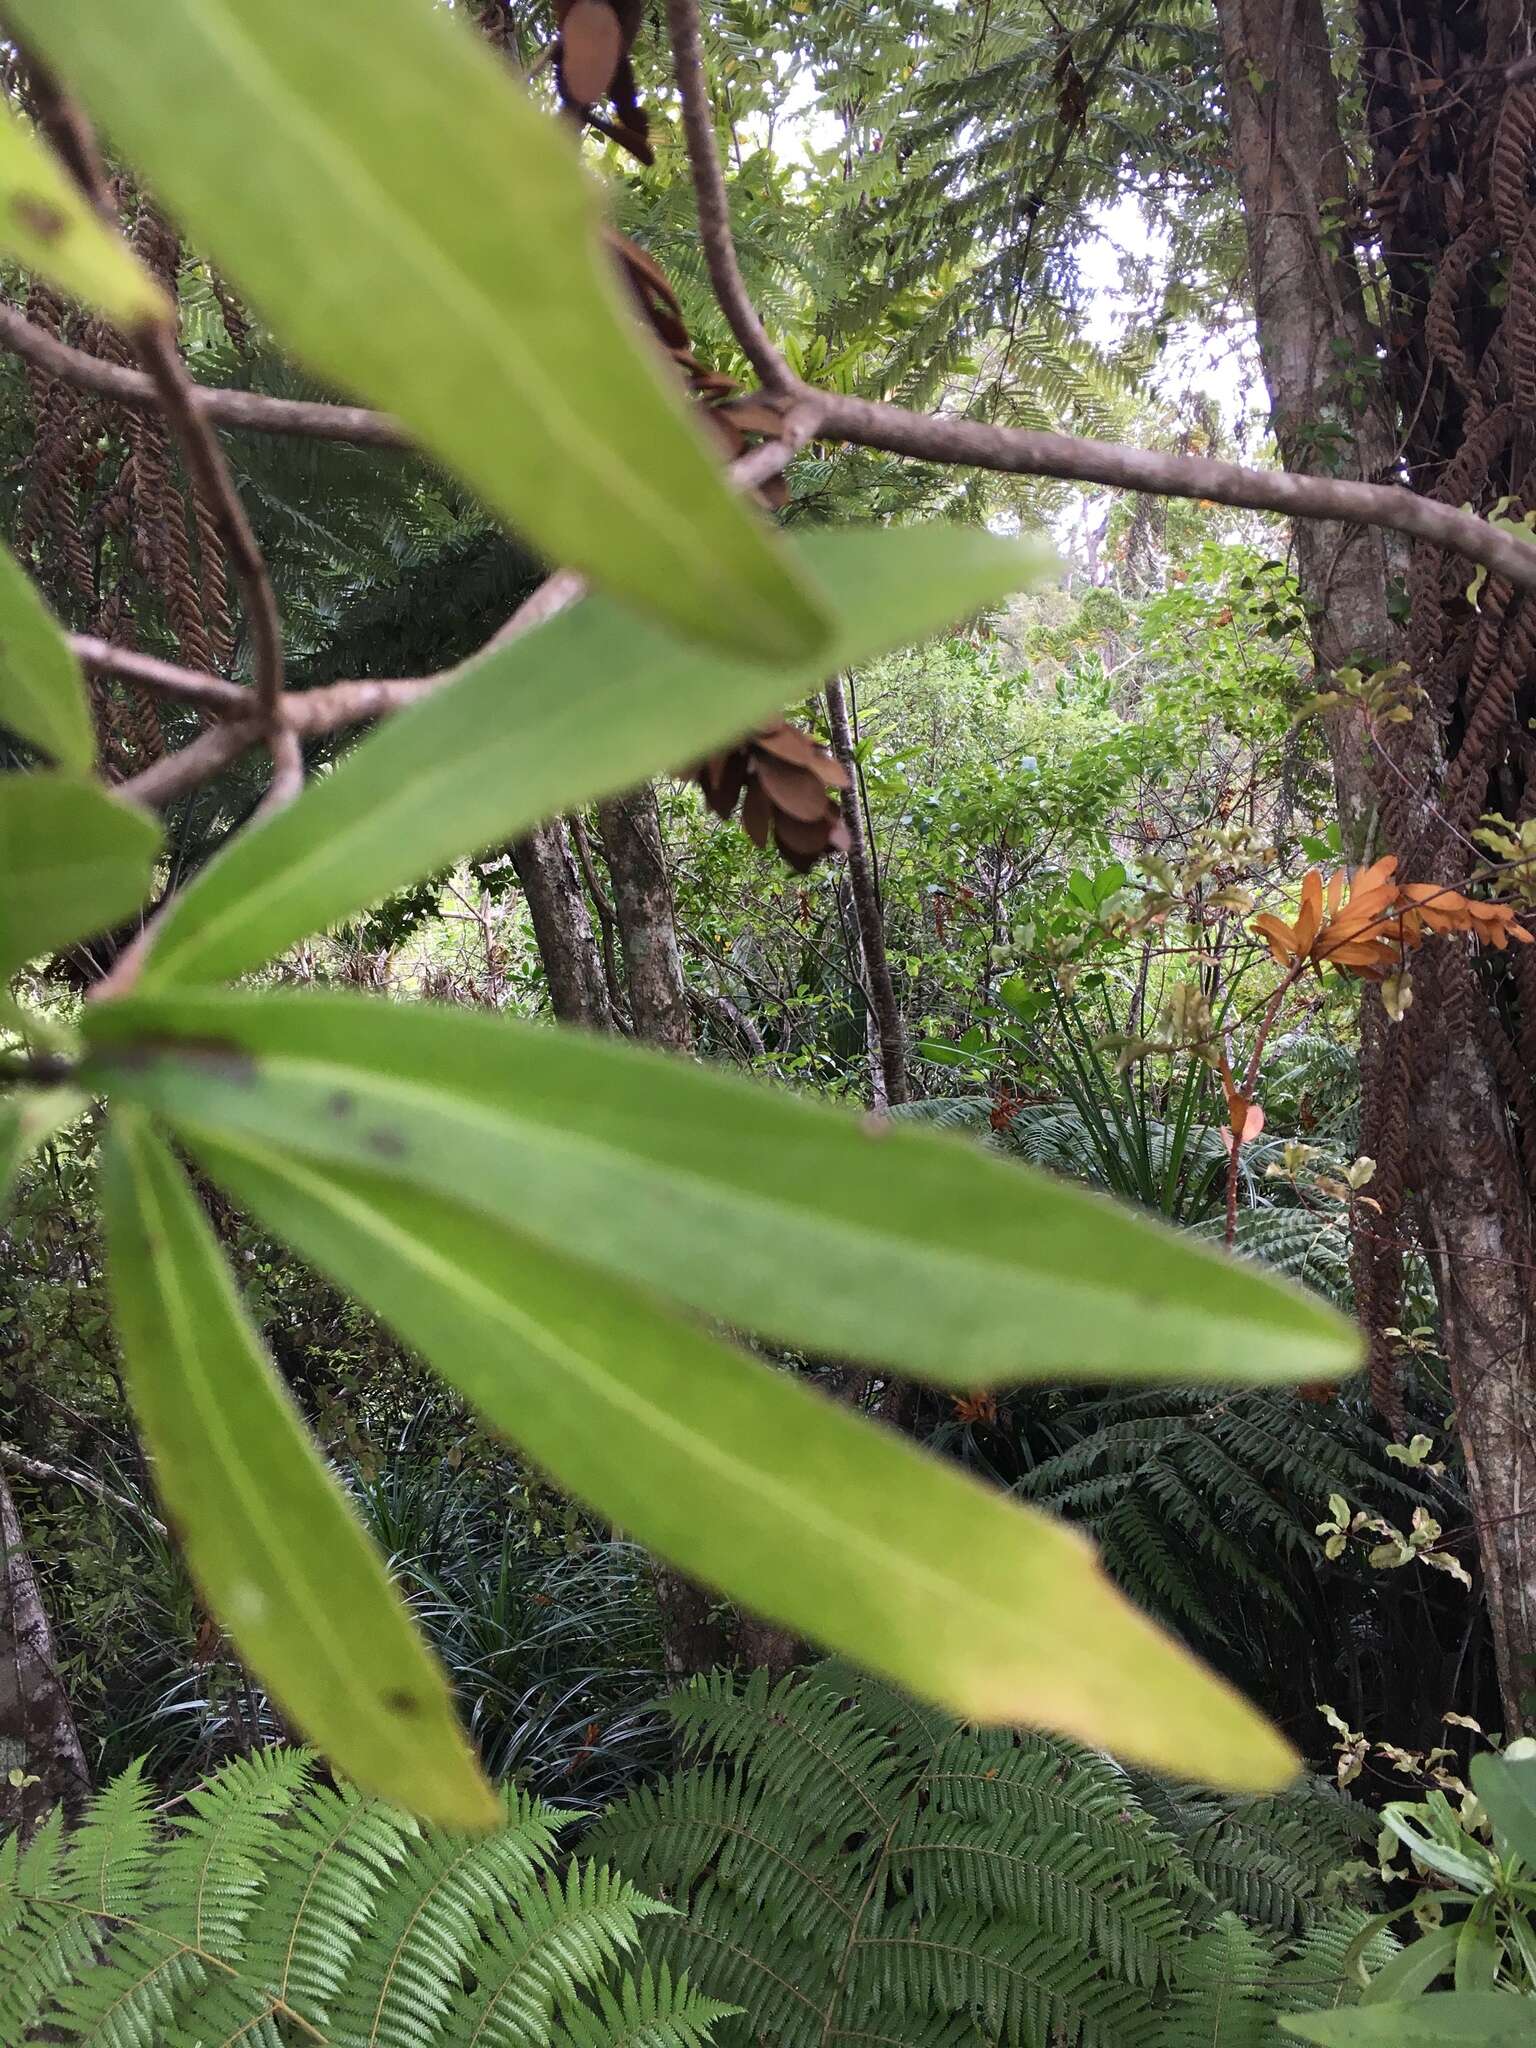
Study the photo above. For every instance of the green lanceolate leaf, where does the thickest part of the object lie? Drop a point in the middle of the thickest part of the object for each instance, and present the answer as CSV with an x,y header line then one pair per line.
x,y
49,228
266,1530
415,229
1491,2019
1507,1788
27,1118
1414,1969
41,697
594,701
795,1219
755,1484
73,860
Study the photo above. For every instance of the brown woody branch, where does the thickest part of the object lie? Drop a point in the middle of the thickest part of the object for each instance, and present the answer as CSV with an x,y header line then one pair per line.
x,y
926,437
200,450
713,202
249,412
185,685
1018,451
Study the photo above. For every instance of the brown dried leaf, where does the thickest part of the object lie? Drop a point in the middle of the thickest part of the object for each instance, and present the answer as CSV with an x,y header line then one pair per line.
x,y
591,47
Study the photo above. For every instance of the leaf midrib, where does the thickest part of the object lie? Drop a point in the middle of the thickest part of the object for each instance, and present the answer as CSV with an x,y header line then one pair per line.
x,y
970,1268
164,1276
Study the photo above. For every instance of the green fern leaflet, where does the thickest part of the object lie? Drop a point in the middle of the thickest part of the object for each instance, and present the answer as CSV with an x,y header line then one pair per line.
x,y
851,1867
275,1910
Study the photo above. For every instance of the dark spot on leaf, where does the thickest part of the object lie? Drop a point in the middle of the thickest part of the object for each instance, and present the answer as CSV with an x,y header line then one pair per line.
x,y
341,1103
388,1144
402,1703
221,1057
39,216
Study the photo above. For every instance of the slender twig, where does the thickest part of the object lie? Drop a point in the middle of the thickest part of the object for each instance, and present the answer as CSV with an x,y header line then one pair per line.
x,y
1017,451
70,133
1272,1009
287,773
206,463
927,437
187,686
556,594
713,204
155,344
192,765
36,1468
313,713
250,412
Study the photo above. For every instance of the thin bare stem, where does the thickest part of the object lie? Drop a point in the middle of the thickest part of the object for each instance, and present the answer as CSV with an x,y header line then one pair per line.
x,y
926,437
1017,451
36,1468
287,773
556,594
192,765
713,205
155,345
249,412
164,678
1272,1011
210,472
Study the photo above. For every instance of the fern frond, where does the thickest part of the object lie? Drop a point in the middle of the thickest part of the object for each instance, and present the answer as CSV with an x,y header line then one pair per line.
x,y
653,2010
973,1886
563,1939
1222,1990
430,1917
276,1911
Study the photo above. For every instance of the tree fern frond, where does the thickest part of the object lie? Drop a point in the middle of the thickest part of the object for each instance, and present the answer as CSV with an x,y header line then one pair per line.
x,y
431,1916
277,1911
1222,1986
564,1938
990,1886
212,1866
110,1852
651,2010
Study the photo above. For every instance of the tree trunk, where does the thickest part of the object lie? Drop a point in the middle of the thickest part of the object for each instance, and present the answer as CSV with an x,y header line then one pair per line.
x,y
38,1739
647,921
699,1630
1447,1094
578,992
873,969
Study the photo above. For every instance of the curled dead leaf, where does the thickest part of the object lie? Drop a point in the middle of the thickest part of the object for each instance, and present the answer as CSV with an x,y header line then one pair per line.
x,y
781,778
